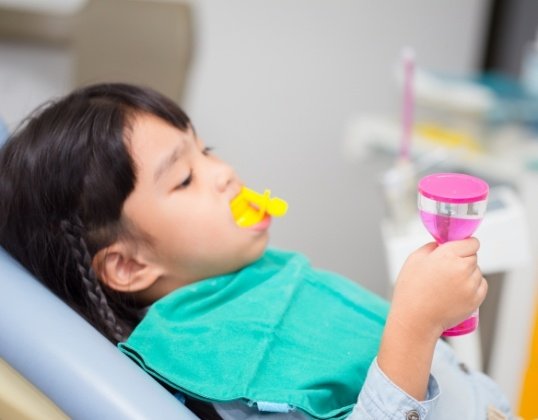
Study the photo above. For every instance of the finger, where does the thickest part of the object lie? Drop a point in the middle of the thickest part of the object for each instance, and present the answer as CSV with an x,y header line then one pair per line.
x,y
482,291
476,277
472,261
426,248
463,248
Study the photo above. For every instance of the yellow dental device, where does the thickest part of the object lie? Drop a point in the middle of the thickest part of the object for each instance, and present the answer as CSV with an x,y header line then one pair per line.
x,y
249,207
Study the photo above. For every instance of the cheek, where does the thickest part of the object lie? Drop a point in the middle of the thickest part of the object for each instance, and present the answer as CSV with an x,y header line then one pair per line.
x,y
186,225
198,228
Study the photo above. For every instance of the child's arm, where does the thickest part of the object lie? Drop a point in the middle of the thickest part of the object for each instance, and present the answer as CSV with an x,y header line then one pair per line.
x,y
438,287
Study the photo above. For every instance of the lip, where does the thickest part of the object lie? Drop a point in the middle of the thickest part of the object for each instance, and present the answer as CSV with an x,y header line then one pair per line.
x,y
262,225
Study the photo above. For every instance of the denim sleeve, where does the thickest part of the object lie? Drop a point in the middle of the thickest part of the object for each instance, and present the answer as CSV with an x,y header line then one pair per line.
x,y
381,399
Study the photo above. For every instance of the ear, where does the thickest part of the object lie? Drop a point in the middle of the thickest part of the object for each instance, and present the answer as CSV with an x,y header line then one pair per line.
x,y
123,269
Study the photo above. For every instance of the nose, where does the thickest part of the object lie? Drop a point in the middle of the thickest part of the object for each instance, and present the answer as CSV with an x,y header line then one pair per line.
x,y
225,176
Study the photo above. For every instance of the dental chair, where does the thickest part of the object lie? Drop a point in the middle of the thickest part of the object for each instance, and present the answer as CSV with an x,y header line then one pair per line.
x,y
78,372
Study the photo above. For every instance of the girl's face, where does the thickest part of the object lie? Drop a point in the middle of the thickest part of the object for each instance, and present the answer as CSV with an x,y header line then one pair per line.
x,y
182,202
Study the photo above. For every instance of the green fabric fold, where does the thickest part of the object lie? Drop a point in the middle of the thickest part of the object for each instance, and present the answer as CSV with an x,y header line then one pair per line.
x,y
277,331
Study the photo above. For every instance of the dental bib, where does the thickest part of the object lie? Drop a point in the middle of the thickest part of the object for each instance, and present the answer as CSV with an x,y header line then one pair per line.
x,y
278,334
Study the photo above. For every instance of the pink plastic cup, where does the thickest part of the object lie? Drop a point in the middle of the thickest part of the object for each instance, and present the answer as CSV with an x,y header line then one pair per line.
x,y
451,206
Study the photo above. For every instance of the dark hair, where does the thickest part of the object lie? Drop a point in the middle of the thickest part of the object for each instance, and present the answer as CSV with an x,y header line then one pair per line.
x,y
64,177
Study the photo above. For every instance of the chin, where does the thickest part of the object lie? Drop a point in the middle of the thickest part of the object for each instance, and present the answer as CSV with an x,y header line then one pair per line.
x,y
258,254
261,246
254,252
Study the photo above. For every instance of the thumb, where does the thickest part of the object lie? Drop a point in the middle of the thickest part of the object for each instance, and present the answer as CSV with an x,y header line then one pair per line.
x,y
426,248
464,247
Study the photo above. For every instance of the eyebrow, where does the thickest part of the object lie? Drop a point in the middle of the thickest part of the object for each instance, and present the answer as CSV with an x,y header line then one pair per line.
x,y
168,162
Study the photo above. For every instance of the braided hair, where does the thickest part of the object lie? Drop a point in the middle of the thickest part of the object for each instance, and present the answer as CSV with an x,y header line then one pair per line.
x,y
98,307
64,177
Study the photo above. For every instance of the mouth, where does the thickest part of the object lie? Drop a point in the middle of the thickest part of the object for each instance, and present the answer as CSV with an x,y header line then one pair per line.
x,y
262,225
253,210
246,213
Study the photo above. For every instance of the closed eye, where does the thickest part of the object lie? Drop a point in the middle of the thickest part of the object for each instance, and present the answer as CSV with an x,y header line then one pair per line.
x,y
186,182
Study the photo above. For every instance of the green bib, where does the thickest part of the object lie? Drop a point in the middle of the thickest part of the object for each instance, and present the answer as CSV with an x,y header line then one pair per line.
x,y
277,334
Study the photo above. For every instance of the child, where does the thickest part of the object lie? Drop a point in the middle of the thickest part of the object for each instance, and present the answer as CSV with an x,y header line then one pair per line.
x,y
112,201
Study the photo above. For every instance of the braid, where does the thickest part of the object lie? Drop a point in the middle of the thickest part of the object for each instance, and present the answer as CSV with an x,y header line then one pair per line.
x,y
100,309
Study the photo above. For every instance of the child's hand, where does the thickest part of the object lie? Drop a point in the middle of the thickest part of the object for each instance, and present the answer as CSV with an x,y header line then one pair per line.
x,y
439,286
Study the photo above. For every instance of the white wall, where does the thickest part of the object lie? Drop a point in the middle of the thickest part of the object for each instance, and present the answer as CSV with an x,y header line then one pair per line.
x,y
274,83
272,86
31,74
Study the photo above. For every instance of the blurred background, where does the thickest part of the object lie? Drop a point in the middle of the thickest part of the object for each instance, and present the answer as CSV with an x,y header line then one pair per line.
x,y
305,97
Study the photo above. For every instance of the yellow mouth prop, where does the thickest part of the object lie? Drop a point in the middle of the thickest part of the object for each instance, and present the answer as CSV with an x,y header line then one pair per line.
x,y
250,207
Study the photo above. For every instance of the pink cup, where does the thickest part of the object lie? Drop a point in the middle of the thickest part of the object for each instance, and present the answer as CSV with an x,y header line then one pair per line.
x,y
451,207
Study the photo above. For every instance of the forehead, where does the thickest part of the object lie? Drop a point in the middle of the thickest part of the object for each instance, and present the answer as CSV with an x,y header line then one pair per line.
x,y
152,139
